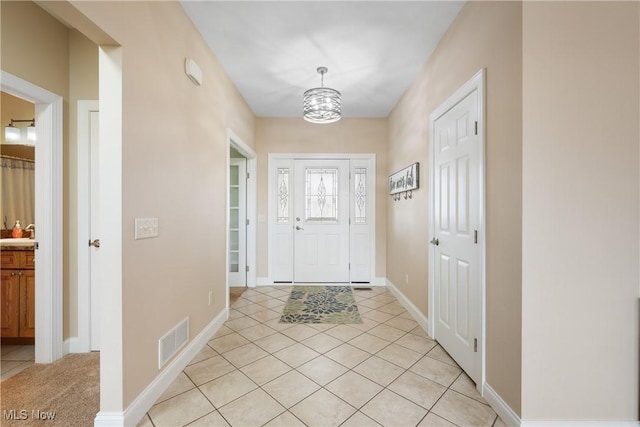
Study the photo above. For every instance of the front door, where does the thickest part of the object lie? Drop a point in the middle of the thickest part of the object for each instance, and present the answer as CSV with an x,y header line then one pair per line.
x,y
457,266
321,221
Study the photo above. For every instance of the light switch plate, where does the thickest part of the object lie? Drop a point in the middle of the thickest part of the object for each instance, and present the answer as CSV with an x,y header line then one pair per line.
x,y
146,228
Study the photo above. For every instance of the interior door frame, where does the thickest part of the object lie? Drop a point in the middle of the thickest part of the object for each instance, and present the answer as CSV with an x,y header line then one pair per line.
x,y
49,214
371,203
236,142
477,82
83,344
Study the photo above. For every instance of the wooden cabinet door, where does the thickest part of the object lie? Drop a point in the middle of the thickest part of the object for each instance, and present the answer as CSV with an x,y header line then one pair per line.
x,y
9,302
28,304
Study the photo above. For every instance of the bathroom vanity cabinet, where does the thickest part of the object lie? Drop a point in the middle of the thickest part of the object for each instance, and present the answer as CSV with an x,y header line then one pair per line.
x,y
17,293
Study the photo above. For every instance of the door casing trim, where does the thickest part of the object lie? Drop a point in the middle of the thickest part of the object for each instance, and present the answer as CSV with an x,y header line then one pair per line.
x,y
477,82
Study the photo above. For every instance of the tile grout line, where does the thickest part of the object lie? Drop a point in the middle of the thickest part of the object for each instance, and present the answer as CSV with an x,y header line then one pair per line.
x,y
318,332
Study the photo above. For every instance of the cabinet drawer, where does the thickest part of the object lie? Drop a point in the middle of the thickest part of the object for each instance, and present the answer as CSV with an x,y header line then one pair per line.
x,y
27,260
18,259
9,259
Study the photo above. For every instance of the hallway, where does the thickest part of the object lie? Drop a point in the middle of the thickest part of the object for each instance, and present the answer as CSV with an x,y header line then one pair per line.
x,y
257,371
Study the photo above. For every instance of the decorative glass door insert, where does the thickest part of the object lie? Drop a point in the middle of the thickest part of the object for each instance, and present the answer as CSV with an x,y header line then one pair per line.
x,y
321,195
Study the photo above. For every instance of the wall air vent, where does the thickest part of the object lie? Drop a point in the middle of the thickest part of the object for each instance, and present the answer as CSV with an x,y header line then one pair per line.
x,y
172,342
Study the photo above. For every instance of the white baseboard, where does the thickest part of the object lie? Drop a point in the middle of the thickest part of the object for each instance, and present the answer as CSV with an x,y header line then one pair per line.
x,y
109,419
419,317
263,281
72,345
505,412
379,281
145,400
581,423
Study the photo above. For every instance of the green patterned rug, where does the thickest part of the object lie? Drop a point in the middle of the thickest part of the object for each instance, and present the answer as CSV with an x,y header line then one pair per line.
x,y
321,304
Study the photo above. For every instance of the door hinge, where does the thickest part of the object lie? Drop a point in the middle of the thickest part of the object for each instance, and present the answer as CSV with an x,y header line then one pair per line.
x,y
247,268
249,175
475,236
247,221
475,345
476,128
349,266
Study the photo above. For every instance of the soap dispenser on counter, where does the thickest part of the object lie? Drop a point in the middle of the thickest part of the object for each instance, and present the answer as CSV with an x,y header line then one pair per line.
x,y
16,232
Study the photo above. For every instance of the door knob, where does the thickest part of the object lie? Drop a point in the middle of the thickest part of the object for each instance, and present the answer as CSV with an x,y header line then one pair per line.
x,y
95,243
299,228
435,241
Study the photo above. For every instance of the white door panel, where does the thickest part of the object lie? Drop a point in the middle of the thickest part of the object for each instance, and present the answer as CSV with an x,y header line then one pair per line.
x,y
456,221
321,236
94,229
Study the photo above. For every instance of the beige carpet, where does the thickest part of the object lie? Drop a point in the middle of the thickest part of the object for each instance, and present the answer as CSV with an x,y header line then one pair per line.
x,y
68,388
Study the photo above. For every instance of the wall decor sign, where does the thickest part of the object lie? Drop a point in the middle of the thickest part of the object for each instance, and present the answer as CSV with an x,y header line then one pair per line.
x,y
405,180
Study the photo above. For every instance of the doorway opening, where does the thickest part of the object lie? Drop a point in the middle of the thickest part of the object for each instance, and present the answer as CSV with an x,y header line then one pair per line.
x,y
241,217
237,224
17,290
48,213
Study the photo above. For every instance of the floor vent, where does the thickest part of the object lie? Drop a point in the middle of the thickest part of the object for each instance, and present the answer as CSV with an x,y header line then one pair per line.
x,y
172,341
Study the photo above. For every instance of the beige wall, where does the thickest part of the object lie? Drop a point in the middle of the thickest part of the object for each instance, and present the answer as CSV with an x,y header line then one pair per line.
x,y
173,168
580,220
295,135
484,35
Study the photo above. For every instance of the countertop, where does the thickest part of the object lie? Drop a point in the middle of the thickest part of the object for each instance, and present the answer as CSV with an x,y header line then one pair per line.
x,y
17,244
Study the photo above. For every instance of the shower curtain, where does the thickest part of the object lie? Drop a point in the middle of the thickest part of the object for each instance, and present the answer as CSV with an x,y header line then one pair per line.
x,y
17,181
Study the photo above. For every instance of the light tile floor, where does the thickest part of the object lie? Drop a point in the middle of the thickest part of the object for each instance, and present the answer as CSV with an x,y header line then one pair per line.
x,y
15,358
257,371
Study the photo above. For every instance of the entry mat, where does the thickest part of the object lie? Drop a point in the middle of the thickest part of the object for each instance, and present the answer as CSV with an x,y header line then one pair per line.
x,y
321,304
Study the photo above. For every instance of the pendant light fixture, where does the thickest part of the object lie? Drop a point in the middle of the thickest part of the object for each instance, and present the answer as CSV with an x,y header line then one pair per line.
x,y
322,104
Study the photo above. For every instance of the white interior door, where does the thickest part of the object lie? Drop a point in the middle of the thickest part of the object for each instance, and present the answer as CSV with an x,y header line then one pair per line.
x,y
94,229
321,221
238,222
457,260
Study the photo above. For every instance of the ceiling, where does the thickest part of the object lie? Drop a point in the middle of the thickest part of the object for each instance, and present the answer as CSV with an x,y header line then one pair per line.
x,y
271,49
